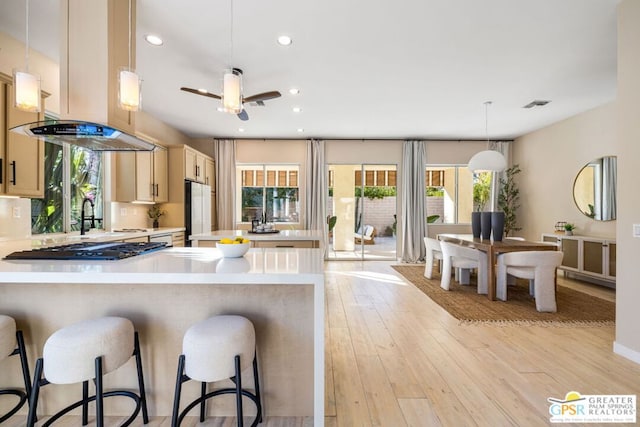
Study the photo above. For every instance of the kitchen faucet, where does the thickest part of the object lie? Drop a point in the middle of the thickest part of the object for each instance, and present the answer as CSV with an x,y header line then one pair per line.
x,y
92,218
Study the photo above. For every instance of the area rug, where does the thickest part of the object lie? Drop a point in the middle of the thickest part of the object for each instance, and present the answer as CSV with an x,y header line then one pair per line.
x,y
464,303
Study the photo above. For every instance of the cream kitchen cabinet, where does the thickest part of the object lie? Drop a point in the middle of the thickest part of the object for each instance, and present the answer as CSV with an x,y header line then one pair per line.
x,y
195,164
210,173
586,257
21,157
141,176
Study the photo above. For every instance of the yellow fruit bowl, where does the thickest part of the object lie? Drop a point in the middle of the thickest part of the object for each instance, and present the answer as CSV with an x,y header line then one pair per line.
x,y
233,248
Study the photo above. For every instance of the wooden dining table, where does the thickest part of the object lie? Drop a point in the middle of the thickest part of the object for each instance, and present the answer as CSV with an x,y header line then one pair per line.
x,y
493,248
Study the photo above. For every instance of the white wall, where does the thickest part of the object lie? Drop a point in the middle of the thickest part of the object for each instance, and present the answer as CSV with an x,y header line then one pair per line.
x,y
628,290
550,159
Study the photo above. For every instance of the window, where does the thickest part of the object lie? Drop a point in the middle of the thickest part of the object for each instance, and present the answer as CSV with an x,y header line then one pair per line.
x,y
268,192
72,174
451,193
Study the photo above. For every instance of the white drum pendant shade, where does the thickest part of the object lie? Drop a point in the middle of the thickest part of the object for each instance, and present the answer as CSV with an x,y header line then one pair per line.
x,y
129,90
27,91
232,93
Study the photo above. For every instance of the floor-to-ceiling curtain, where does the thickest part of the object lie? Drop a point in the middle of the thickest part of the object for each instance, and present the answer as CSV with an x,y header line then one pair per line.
x,y
503,147
225,156
609,177
316,189
414,212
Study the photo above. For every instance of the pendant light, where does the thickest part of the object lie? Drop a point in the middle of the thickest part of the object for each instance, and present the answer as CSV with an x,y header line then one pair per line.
x,y
232,79
488,160
26,86
129,84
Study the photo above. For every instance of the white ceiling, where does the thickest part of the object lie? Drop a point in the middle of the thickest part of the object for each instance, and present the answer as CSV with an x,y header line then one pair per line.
x,y
367,68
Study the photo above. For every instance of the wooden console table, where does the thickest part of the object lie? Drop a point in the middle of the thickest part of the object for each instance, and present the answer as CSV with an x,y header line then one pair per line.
x,y
493,249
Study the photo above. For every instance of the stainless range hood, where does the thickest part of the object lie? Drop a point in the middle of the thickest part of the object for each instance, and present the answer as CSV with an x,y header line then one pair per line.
x,y
93,136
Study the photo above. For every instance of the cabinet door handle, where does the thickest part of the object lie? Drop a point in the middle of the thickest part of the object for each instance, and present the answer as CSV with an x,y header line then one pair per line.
x,y
1,174
13,172
157,190
284,246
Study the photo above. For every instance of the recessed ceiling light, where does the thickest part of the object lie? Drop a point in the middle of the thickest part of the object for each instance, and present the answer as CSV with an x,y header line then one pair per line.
x,y
153,39
294,91
300,130
297,109
240,129
220,109
284,40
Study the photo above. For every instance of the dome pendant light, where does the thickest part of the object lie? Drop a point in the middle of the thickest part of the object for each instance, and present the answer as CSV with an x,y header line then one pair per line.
x,y
26,86
488,160
129,83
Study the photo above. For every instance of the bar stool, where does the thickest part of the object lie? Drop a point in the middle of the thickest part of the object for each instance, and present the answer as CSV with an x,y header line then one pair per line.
x,y
11,344
216,349
86,351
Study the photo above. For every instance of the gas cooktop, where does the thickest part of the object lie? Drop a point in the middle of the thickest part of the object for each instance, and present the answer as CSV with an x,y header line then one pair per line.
x,y
94,251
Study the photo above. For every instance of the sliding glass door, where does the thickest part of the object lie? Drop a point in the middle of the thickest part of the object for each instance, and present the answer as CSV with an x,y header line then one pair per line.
x,y
362,211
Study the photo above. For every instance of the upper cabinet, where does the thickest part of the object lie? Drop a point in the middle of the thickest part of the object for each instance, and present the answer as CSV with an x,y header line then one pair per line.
x,y
210,173
197,166
148,170
21,157
194,165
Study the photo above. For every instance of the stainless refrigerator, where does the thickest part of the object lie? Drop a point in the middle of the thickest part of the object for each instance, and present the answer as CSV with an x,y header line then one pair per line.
x,y
197,207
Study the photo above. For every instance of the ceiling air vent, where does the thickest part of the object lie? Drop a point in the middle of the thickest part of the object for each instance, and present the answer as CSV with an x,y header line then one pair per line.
x,y
536,103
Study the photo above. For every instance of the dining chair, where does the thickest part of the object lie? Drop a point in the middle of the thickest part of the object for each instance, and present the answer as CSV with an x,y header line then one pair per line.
x,y
465,259
434,251
539,267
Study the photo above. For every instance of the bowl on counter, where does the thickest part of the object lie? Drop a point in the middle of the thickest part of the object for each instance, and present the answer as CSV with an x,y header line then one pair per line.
x,y
233,250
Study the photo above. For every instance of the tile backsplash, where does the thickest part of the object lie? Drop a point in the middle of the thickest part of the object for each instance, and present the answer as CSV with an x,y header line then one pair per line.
x,y
129,215
15,218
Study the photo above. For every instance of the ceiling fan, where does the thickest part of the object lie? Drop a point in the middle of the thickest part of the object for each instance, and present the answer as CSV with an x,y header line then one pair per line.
x,y
232,99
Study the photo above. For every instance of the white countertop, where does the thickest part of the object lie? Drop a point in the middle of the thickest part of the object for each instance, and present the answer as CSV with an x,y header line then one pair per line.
x,y
282,235
175,266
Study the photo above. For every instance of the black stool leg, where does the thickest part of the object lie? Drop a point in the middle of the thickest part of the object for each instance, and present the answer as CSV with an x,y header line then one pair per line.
x,y
257,386
85,403
203,408
99,394
26,375
239,393
143,393
35,391
176,397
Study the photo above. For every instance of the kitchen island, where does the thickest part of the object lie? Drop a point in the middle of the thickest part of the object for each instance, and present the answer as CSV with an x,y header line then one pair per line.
x,y
163,293
281,239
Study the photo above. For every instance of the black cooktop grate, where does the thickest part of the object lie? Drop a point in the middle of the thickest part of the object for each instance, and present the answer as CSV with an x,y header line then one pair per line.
x,y
95,251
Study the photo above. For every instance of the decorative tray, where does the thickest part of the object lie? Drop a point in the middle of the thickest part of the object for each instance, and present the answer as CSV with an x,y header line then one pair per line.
x,y
264,232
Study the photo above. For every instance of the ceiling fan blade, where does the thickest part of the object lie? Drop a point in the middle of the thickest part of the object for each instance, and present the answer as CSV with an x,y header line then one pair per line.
x,y
242,115
262,96
197,92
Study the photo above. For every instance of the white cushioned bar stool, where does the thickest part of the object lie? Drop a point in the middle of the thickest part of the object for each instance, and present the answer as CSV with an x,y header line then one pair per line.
x,y
12,344
86,351
216,349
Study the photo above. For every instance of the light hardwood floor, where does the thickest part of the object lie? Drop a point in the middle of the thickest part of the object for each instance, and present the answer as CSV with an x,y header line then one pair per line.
x,y
395,358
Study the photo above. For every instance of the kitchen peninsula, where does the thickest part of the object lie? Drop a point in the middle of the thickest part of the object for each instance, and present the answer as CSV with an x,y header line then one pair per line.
x,y
163,293
281,239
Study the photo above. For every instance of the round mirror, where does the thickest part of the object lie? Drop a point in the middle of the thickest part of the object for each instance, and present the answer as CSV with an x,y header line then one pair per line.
x,y
594,189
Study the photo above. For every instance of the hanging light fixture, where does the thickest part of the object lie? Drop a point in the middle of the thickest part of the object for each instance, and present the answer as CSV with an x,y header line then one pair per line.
x,y
129,84
232,78
232,91
487,160
26,86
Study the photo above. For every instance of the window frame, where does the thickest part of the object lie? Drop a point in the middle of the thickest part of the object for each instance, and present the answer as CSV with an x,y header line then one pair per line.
x,y
241,167
456,195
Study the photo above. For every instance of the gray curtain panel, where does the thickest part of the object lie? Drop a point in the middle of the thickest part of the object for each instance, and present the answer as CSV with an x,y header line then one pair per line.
x,y
316,189
225,156
414,211
609,178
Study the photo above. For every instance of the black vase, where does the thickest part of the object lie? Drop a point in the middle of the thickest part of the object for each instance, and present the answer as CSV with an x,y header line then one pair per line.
x,y
475,224
497,225
156,224
485,225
